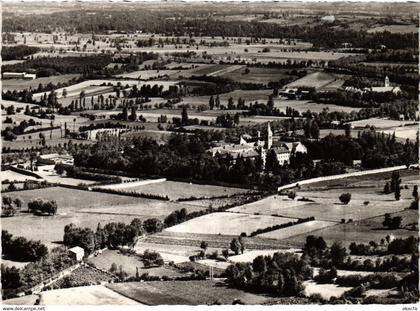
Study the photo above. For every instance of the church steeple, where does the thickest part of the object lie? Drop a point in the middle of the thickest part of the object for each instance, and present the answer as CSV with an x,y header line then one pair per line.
x,y
269,136
387,81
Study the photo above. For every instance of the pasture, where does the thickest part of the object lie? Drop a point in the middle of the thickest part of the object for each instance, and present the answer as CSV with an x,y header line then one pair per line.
x,y
176,190
184,293
227,223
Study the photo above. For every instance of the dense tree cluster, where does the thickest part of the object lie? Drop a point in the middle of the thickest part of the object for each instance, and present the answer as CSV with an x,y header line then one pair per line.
x,y
20,249
281,274
10,206
48,66
43,207
17,52
152,258
375,149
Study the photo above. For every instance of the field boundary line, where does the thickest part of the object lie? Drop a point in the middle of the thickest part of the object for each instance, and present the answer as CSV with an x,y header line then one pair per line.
x,y
132,184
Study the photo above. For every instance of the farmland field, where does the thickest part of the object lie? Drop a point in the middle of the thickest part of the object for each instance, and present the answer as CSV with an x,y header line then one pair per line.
x,y
92,86
129,264
175,190
28,300
305,105
14,176
184,292
268,206
18,84
256,74
395,29
379,123
227,223
304,228
329,208
362,231
408,131
249,256
316,80
86,295
175,242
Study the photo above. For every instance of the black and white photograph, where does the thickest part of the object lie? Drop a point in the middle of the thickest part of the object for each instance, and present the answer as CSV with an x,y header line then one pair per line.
x,y
198,153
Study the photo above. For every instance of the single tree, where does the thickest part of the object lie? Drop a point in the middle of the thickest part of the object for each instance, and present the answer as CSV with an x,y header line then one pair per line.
x,y
345,198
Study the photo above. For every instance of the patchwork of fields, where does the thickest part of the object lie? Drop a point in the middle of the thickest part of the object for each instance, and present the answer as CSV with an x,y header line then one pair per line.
x,y
84,209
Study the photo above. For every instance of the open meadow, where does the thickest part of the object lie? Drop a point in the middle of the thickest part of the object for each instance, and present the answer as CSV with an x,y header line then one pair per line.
x,y
227,223
176,190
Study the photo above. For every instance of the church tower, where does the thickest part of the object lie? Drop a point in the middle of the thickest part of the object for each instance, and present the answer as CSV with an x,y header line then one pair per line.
x,y
387,84
269,136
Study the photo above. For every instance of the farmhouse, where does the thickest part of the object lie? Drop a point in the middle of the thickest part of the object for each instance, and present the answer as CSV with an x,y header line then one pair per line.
x,y
76,253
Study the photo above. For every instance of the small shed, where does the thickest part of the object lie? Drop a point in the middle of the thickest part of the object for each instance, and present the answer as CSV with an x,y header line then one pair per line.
x,y
77,253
